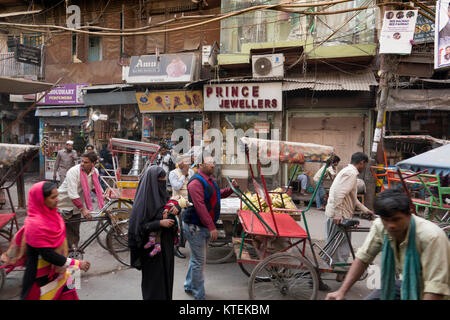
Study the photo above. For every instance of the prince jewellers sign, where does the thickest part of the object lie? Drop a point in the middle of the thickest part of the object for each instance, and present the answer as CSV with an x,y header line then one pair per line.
x,y
243,97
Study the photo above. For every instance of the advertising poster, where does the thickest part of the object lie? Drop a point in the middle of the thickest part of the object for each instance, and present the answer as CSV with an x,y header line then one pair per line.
x,y
65,94
424,29
170,101
398,31
442,35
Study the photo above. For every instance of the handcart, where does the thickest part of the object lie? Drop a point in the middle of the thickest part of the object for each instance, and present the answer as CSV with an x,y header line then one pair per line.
x,y
274,250
14,159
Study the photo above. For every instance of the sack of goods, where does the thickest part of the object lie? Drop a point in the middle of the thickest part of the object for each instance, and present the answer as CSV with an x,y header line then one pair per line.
x,y
275,198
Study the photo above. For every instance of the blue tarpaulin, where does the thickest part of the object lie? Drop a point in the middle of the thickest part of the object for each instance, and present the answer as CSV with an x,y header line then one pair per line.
x,y
437,161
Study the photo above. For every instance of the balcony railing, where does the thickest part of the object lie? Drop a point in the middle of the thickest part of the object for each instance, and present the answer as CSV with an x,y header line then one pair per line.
x,y
9,67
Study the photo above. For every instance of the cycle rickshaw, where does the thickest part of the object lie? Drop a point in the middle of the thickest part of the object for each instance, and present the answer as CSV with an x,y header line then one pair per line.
x,y
14,160
273,249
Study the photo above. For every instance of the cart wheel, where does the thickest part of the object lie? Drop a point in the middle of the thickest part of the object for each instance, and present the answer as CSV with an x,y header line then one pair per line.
x,y
219,251
286,277
117,242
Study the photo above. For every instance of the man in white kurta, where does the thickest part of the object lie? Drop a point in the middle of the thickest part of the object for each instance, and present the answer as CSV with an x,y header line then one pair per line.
x,y
71,198
342,202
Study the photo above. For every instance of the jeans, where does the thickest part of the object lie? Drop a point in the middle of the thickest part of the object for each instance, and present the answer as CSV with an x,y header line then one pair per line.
x,y
303,179
198,240
320,196
376,294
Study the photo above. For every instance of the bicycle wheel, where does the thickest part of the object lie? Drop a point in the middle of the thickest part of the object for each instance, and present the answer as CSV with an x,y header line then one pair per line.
x,y
120,214
117,242
287,277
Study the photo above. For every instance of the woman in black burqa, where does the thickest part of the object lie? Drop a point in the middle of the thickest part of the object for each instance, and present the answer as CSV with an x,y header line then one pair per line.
x,y
147,216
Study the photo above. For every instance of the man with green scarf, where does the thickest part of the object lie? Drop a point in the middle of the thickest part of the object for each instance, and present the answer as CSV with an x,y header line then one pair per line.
x,y
411,246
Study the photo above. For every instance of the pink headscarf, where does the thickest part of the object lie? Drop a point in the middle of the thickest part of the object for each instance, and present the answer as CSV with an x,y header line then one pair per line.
x,y
44,227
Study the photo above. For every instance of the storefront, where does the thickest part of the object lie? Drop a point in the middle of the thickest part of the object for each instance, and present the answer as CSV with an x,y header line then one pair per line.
x,y
333,109
240,109
62,115
414,112
165,111
114,113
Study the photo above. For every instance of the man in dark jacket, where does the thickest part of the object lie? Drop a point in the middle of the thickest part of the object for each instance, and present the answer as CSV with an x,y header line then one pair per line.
x,y
199,223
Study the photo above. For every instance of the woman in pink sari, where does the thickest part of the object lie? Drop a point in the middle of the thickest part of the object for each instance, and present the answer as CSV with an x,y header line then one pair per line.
x,y
41,247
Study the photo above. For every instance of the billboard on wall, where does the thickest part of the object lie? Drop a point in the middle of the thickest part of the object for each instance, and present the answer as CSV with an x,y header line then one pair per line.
x,y
163,68
65,94
170,101
398,31
442,35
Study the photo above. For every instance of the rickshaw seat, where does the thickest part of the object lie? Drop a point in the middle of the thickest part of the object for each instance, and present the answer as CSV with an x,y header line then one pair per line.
x,y
5,218
287,226
127,194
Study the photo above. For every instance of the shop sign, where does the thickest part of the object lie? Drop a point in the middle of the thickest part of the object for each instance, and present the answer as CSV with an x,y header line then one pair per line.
x,y
442,35
170,101
66,94
424,29
243,97
398,31
29,55
161,68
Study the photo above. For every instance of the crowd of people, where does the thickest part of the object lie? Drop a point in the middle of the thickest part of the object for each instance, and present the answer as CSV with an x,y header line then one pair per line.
x,y
161,222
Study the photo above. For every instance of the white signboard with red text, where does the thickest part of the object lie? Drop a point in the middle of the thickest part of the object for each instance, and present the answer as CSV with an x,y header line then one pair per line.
x,y
233,97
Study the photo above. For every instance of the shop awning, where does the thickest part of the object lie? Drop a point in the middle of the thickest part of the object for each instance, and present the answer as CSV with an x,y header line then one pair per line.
x,y
332,81
109,95
437,161
423,99
418,139
51,111
21,86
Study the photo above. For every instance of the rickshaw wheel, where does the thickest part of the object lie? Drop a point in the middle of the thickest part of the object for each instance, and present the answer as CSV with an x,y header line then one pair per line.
x,y
117,242
285,277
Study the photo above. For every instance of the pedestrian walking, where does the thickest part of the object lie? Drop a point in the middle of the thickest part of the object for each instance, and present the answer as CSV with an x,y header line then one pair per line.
x,y
41,247
199,223
179,179
411,246
342,202
149,216
65,159
75,195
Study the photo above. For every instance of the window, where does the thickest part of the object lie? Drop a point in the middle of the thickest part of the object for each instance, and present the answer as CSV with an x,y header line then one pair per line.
x,y
32,39
74,45
95,48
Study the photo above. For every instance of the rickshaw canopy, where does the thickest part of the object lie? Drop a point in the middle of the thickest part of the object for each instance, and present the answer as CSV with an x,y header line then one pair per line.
x,y
437,161
133,147
289,152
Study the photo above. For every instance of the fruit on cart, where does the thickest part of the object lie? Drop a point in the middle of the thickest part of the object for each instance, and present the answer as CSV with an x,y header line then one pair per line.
x,y
275,198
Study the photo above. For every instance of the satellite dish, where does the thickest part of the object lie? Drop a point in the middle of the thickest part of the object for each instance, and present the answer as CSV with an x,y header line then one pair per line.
x,y
263,66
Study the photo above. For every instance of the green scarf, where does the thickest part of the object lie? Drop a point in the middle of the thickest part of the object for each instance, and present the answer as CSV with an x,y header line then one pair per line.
x,y
411,270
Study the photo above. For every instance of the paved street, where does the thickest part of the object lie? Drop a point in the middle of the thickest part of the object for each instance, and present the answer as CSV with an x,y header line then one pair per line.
x,y
109,280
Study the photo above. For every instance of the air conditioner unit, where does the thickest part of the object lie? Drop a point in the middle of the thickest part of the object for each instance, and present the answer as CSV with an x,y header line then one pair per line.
x,y
268,65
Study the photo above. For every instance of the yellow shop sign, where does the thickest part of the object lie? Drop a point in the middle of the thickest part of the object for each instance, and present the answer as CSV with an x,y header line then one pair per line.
x,y
170,101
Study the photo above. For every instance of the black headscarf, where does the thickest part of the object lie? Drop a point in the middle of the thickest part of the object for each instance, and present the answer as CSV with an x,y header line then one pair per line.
x,y
151,196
